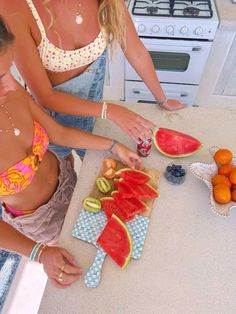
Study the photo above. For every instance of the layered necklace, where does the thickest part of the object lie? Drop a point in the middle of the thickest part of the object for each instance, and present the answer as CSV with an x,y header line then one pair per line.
x,y
15,130
78,17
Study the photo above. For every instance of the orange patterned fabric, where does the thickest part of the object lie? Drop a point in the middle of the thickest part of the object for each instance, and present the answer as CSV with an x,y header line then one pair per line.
x,y
19,176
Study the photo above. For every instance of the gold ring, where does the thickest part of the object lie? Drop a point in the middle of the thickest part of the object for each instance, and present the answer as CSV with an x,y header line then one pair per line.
x,y
63,267
60,277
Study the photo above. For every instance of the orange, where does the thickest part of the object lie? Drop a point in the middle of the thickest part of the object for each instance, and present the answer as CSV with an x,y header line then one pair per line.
x,y
223,156
220,179
233,187
233,194
222,193
225,169
232,176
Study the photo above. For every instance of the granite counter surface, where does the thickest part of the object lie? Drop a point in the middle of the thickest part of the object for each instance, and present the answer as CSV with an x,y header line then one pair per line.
x,y
227,13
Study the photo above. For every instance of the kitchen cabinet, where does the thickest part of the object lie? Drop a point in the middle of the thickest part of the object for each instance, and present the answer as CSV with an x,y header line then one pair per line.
x,y
226,84
218,84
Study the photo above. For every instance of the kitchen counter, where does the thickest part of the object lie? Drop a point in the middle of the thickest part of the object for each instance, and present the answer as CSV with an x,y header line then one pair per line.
x,y
227,13
188,263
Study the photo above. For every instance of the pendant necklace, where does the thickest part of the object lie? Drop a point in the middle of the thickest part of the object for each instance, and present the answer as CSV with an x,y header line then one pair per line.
x,y
78,17
15,130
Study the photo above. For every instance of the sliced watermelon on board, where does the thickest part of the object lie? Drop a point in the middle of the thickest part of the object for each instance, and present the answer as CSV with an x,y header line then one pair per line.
x,y
141,191
110,207
134,176
116,241
123,188
175,144
133,204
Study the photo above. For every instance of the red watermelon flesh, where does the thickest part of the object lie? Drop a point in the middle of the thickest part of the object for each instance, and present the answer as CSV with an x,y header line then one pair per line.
x,y
143,191
175,144
134,176
110,207
124,189
127,206
131,203
116,241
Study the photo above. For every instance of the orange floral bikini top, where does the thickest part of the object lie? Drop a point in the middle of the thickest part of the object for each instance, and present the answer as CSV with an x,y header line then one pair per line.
x,y
19,176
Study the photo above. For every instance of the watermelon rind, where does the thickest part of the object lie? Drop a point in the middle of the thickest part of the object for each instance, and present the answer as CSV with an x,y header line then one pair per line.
x,y
197,143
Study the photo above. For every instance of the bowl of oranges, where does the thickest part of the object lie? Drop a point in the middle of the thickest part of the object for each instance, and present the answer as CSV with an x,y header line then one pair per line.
x,y
220,177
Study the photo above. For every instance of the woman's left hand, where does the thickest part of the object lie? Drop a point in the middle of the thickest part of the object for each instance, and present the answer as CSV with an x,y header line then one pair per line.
x,y
127,156
172,104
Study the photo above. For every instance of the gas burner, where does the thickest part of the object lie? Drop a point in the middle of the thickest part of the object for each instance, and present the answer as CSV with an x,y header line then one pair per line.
x,y
191,11
152,9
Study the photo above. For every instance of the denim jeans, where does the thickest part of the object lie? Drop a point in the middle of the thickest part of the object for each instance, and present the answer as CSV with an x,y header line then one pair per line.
x,y
88,85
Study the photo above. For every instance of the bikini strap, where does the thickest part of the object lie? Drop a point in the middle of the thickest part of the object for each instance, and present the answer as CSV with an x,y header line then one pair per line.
x,y
37,17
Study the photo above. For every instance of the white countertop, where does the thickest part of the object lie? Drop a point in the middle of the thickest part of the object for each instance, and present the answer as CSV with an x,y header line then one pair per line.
x,y
227,13
188,264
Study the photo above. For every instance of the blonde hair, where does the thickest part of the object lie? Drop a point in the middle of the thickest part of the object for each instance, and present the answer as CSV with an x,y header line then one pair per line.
x,y
110,17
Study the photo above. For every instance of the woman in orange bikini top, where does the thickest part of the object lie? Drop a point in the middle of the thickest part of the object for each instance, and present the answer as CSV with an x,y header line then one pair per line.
x,y
29,172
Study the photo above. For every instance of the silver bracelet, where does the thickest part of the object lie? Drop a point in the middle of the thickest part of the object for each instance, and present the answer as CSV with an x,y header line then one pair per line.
x,y
108,152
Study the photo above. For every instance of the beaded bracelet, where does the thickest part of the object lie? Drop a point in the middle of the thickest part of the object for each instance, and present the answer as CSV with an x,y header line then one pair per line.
x,y
104,110
34,251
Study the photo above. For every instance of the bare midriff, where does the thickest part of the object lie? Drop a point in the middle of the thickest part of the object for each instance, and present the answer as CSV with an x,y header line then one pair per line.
x,y
41,189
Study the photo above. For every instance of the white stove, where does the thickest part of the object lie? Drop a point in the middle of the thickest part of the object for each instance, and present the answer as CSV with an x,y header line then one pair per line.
x,y
178,35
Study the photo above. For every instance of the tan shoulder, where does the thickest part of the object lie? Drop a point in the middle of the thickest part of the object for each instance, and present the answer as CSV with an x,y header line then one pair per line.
x,y
14,10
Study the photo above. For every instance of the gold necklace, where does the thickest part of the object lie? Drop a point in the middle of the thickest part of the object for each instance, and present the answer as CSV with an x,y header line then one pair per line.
x,y
15,130
78,17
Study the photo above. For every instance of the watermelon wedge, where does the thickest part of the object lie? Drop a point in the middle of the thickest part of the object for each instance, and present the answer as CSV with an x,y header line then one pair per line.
x,y
116,241
110,207
132,204
175,144
124,189
134,176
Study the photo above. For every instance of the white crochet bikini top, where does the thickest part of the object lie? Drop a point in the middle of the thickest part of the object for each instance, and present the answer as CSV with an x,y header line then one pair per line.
x,y
59,60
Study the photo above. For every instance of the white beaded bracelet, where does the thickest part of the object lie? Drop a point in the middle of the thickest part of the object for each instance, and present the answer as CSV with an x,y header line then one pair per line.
x,y
104,110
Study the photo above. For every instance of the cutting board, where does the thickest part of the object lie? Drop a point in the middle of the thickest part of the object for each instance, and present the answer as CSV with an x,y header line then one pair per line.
x,y
89,226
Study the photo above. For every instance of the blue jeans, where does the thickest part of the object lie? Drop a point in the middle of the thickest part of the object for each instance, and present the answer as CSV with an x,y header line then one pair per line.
x,y
88,85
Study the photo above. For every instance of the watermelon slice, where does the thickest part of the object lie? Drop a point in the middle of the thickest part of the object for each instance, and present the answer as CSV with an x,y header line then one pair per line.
x,y
116,241
132,204
141,191
175,144
110,207
134,176
124,188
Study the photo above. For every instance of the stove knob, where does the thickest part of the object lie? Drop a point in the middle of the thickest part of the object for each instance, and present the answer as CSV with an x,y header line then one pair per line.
x,y
170,29
141,28
198,30
184,30
155,29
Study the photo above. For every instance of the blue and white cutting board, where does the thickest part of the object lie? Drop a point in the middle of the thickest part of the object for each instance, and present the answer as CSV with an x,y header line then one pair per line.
x,y
89,226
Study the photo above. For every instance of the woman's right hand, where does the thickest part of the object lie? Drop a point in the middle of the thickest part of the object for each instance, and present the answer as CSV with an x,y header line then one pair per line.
x,y
130,122
60,266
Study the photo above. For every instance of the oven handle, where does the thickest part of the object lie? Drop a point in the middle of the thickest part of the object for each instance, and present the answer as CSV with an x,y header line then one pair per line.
x,y
168,94
177,49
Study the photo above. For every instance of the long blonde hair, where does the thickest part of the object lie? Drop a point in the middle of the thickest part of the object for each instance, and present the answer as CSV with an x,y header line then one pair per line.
x,y
110,17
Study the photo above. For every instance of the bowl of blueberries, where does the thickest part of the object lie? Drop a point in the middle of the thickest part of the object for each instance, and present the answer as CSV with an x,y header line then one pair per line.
x,y
175,173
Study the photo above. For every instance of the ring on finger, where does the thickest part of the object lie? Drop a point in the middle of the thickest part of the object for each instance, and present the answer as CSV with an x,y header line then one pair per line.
x,y
63,267
59,278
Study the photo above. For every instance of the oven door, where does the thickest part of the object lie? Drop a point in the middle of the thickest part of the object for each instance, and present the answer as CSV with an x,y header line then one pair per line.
x,y
175,61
